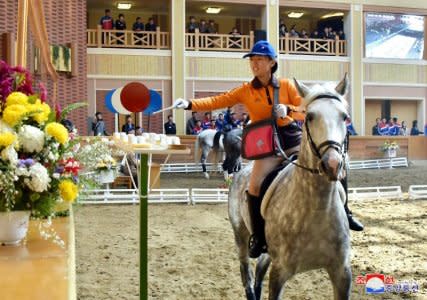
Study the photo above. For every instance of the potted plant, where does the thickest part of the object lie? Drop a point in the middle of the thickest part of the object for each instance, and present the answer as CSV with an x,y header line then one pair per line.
x,y
35,172
390,149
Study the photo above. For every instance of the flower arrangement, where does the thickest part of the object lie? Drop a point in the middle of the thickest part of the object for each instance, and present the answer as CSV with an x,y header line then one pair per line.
x,y
389,146
37,169
97,155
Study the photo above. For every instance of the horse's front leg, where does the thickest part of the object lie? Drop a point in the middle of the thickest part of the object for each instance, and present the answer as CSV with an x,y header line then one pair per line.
x,y
341,280
261,268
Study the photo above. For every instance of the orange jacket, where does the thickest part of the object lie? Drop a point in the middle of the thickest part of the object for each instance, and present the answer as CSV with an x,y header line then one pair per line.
x,y
254,97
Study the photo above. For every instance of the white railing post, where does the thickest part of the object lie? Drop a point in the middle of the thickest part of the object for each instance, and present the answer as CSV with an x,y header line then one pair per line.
x,y
196,39
99,36
158,37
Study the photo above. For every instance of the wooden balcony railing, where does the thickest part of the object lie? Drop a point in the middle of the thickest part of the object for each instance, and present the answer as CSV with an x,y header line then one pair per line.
x,y
290,45
218,42
128,39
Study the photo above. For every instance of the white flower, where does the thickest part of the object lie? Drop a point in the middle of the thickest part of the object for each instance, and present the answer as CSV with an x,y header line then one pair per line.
x,y
40,179
9,154
22,171
56,175
31,138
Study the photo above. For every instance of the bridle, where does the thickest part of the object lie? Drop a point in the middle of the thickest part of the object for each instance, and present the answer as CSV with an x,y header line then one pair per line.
x,y
317,149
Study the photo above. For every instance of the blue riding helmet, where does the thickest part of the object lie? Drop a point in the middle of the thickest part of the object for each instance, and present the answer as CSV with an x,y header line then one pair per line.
x,y
263,48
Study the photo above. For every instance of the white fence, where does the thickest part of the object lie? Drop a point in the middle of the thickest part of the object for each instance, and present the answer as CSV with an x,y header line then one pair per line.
x,y
378,163
377,192
169,196
354,165
209,196
110,196
417,192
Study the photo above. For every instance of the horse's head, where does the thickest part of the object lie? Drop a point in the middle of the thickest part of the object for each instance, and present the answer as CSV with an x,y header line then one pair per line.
x,y
324,126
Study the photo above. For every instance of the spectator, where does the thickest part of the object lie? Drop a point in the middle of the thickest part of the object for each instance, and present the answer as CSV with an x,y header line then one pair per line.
x,y
414,129
341,35
213,124
198,128
376,127
203,27
403,129
234,122
128,126
138,130
330,36
120,25
350,128
191,123
150,26
283,30
315,34
206,123
98,126
304,34
212,27
106,21
220,122
235,40
394,128
294,33
383,123
227,115
170,126
245,120
191,28
325,33
138,26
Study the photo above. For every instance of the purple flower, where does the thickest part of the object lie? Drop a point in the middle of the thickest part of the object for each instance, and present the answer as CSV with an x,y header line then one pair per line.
x,y
26,162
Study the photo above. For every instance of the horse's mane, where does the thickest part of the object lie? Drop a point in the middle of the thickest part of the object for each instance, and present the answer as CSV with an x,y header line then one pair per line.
x,y
327,89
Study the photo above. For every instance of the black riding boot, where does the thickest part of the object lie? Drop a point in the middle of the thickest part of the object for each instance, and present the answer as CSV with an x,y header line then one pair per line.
x,y
257,243
353,223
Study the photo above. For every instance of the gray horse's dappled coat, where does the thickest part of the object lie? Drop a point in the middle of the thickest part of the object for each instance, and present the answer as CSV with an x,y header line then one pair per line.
x,y
306,225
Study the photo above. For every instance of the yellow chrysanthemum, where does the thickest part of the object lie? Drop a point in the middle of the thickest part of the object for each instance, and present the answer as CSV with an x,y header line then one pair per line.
x,y
7,139
58,131
69,191
13,114
16,98
43,111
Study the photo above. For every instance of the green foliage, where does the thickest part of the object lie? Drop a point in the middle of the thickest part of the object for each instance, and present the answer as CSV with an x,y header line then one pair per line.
x,y
70,108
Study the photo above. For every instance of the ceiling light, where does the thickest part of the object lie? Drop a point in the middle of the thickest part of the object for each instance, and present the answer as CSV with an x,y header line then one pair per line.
x,y
295,15
213,10
331,15
121,5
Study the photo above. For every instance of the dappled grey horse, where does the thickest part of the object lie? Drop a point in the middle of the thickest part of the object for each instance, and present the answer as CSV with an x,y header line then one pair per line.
x,y
229,143
305,223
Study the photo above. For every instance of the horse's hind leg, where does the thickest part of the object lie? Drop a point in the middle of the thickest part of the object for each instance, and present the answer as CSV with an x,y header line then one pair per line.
x,y
261,268
278,277
341,280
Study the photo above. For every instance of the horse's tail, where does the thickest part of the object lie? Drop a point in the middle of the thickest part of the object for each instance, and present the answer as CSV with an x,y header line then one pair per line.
x,y
196,149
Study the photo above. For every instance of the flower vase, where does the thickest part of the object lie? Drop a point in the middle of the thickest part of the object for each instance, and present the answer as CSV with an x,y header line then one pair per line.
x,y
106,176
391,152
13,226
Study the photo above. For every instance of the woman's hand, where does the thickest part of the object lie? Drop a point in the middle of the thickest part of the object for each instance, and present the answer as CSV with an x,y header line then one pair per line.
x,y
181,103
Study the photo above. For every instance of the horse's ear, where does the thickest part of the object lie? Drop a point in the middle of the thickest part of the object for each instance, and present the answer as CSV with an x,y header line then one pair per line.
x,y
342,87
301,88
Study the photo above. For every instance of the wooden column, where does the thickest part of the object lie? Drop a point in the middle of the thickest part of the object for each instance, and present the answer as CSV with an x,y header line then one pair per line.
x,y
21,56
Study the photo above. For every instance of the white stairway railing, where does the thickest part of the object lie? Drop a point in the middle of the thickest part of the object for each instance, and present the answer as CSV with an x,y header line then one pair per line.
x,y
377,192
417,192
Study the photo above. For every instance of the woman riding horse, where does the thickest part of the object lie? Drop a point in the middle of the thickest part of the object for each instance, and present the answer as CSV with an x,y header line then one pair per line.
x,y
257,97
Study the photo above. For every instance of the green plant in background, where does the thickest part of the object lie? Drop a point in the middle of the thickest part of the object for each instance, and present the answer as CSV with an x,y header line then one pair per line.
x,y
66,53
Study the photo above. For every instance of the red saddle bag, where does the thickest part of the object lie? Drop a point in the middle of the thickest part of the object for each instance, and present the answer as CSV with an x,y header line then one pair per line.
x,y
258,140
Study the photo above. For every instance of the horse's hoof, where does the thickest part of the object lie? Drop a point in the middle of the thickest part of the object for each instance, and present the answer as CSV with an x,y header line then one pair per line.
x,y
206,175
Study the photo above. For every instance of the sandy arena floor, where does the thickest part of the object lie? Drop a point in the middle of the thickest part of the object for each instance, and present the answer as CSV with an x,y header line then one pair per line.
x,y
192,253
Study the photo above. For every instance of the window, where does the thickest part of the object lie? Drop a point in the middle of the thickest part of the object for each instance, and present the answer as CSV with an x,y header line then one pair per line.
x,y
394,36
